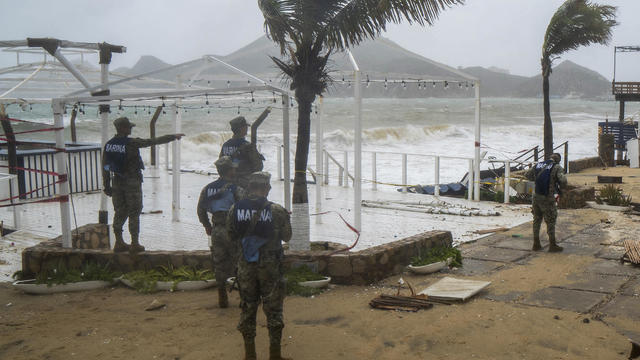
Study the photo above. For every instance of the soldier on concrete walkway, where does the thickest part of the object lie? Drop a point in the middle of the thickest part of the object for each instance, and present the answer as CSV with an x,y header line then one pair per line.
x,y
215,200
241,151
122,163
550,180
259,226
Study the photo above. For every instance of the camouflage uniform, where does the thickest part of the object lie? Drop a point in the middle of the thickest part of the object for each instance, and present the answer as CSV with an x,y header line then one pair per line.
x,y
224,252
263,279
242,152
544,206
126,187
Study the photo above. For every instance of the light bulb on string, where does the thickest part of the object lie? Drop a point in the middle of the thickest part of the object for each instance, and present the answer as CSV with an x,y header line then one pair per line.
x,y
434,84
404,85
252,99
368,81
135,110
228,84
385,83
419,86
207,99
349,84
446,84
238,110
460,85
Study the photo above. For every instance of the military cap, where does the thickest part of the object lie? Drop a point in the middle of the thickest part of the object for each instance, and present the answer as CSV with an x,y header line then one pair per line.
x,y
238,122
225,163
260,178
122,122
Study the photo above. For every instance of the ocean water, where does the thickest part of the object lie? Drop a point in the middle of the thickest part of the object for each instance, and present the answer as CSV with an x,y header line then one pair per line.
x,y
419,127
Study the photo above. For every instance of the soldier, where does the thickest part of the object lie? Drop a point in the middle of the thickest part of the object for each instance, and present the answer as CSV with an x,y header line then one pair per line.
x,y
550,179
121,160
258,226
242,152
216,199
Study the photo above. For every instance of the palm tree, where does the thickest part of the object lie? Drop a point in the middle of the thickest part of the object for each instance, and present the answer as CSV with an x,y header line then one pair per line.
x,y
308,31
576,23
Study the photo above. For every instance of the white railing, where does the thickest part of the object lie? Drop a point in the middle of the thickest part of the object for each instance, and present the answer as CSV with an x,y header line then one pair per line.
x,y
344,176
9,194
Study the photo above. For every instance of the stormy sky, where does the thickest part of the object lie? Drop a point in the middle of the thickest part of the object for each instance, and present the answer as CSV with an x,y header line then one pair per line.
x,y
506,34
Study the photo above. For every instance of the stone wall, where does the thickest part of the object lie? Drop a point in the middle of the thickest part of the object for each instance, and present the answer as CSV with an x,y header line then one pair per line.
x,y
586,163
361,267
576,197
373,264
90,236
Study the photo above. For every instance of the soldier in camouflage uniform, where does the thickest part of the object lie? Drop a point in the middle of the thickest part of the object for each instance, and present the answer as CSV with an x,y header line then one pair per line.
x,y
121,162
259,226
242,152
550,179
216,199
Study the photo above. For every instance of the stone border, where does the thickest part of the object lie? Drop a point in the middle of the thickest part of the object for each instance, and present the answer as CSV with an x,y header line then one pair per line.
x,y
359,268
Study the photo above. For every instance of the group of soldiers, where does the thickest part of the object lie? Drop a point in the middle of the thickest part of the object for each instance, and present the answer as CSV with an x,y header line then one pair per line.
x,y
246,230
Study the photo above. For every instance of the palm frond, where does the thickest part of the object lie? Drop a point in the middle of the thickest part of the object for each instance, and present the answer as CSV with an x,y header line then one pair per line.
x,y
578,23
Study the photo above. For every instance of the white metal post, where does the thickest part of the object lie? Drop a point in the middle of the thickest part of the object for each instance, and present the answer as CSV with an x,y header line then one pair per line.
x,y
166,156
287,154
436,188
319,170
404,173
357,151
104,119
374,172
476,183
175,162
507,181
346,169
326,167
470,181
17,219
61,164
279,161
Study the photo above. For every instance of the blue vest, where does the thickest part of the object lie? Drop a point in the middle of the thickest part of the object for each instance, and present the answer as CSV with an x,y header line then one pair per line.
x,y
115,155
219,196
263,230
230,148
543,176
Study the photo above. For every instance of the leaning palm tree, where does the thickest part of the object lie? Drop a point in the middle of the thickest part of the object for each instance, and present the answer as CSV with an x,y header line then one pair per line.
x,y
308,31
576,23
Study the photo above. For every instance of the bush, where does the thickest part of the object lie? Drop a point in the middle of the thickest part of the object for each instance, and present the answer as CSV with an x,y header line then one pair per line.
x,y
145,280
612,195
437,254
63,275
294,276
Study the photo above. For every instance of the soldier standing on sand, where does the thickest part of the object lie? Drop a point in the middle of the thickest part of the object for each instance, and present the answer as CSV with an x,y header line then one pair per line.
x,y
216,199
550,179
121,160
241,151
258,226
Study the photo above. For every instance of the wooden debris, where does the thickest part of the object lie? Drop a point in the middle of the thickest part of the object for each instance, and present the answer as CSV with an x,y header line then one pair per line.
x,y
632,251
399,302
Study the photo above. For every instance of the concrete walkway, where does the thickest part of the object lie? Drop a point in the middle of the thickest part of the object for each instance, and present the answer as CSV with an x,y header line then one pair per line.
x,y
586,278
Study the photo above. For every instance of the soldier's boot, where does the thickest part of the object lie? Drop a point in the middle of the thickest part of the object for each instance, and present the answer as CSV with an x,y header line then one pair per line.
x,y
223,300
135,245
553,247
250,348
536,244
120,245
275,337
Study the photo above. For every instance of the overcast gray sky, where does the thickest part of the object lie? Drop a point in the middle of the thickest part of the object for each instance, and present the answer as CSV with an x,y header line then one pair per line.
x,y
502,33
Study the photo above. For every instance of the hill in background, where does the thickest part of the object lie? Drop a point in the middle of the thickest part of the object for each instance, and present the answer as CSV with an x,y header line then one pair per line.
x,y
382,58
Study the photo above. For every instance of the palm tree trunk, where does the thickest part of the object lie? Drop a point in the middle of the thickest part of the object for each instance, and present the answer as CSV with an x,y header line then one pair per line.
x,y
300,194
548,127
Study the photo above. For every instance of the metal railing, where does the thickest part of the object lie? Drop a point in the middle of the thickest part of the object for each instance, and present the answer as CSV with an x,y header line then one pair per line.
x,y
626,88
344,175
84,173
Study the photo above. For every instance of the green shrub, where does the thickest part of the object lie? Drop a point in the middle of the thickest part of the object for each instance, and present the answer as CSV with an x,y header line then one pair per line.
x,y
294,276
60,274
612,195
436,254
144,281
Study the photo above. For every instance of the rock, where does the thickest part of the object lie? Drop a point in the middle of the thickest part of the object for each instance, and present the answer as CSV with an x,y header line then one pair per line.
x,y
155,305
